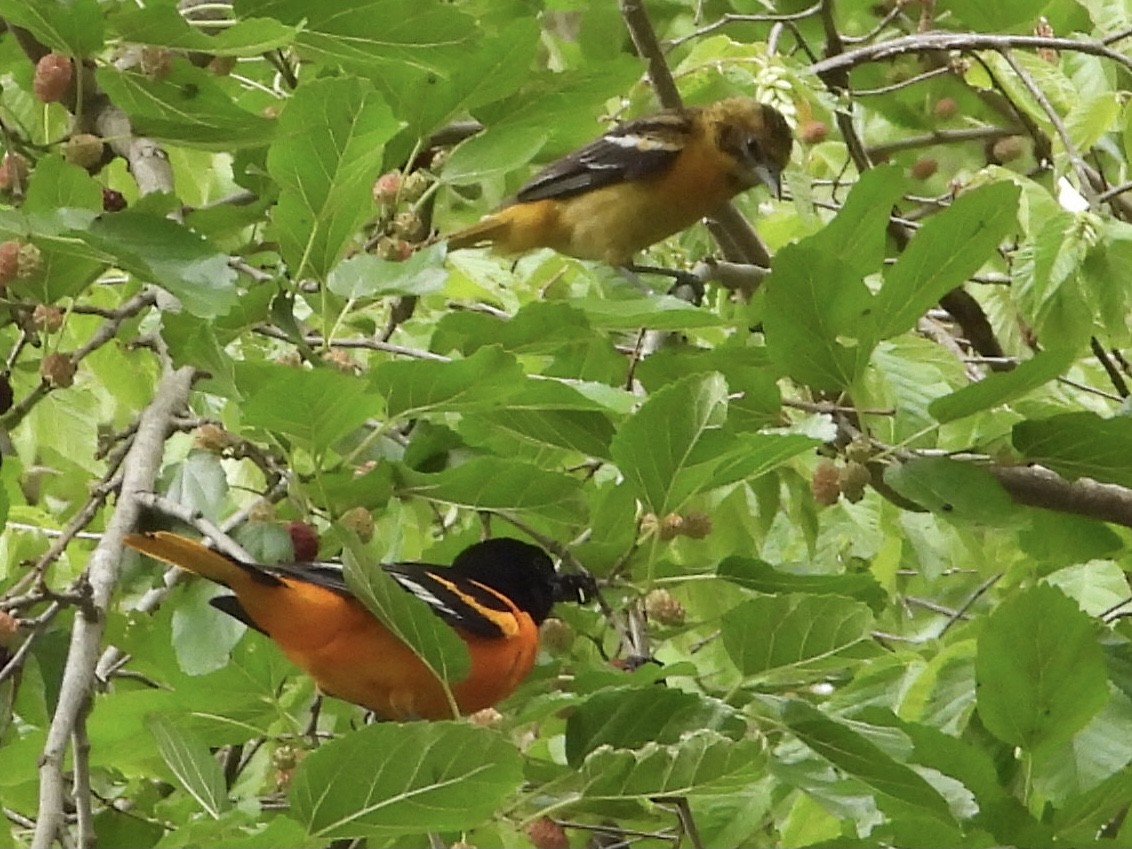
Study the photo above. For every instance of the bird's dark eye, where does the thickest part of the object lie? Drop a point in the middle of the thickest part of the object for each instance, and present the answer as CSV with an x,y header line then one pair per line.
x,y
754,149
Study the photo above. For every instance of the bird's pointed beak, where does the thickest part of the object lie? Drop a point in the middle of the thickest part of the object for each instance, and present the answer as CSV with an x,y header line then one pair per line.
x,y
771,177
576,587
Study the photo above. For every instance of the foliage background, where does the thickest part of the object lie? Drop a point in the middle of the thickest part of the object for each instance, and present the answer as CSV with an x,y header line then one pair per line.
x,y
935,658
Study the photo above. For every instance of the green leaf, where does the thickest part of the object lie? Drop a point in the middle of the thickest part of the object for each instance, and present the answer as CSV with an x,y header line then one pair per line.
x,y
56,184
818,322
1040,670
1002,387
392,779
163,26
186,107
325,159
57,201
198,483
1097,586
701,763
203,637
376,36
1046,268
368,276
658,312
1079,445
315,407
958,489
654,447
1092,117
166,253
931,266
760,576
958,758
1095,753
1107,278
482,381
497,150
857,235
864,760
1004,15
493,483
740,457
346,488
543,412
794,630
192,764
629,718
747,370
408,617
1127,135
73,27
1079,820
819,326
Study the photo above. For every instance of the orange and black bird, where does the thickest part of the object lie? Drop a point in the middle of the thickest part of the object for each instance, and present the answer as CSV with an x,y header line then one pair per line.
x,y
495,595
641,182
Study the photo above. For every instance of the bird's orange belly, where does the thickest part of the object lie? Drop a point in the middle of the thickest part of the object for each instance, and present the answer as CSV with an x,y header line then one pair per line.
x,y
352,657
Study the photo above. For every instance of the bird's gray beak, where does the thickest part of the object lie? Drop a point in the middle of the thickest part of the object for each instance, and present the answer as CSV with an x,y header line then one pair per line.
x,y
770,177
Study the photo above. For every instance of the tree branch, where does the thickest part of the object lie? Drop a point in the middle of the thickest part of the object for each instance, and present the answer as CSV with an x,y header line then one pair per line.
x,y
1036,486
140,469
965,42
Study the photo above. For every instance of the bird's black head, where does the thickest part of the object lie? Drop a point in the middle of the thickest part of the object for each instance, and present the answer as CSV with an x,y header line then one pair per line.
x,y
522,572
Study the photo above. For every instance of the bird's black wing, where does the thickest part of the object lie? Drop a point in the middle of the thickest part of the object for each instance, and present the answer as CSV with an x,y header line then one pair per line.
x,y
631,151
460,602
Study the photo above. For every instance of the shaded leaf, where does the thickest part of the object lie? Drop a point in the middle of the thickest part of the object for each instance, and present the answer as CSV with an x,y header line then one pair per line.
x,y
864,760
819,327
659,312
164,26
656,445
952,487
186,107
74,27
762,577
1079,445
369,276
198,483
818,310
545,412
857,234
375,36
625,718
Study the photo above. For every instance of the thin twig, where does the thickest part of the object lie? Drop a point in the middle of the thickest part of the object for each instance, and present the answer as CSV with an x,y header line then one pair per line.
x,y
962,41
1075,157
961,612
1109,366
